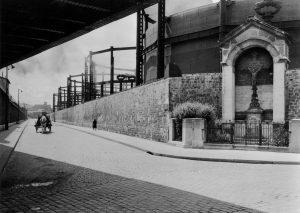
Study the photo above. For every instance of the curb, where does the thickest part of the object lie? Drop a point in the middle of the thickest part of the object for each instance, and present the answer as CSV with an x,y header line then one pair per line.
x,y
225,160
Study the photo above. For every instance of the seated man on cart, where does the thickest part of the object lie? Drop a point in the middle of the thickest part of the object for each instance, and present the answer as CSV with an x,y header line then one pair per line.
x,y
48,119
41,119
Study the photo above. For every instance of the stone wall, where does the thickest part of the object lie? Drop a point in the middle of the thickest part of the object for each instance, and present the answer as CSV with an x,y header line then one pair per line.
x,y
141,112
202,87
145,111
293,93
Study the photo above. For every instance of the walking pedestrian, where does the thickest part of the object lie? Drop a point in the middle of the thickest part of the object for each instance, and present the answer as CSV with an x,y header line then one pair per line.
x,y
95,124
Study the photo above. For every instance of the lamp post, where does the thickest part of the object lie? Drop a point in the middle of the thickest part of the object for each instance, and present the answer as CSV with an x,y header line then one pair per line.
x,y
19,90
7,97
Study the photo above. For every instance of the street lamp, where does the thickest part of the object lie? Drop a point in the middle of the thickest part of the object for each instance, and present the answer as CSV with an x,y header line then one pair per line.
x,y
19,91
7,97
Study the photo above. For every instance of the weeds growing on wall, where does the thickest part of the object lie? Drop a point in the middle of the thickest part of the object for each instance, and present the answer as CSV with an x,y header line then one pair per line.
x,y
192,110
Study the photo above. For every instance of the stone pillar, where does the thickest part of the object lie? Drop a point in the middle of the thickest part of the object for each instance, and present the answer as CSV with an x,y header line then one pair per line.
x,y
294,142
279,92
193,132
172,129
228,93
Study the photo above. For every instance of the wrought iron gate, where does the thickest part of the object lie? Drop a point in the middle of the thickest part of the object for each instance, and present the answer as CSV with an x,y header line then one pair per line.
x,y
263,133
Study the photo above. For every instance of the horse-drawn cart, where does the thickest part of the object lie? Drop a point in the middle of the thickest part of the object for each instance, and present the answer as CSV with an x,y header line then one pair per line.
x,y
43,123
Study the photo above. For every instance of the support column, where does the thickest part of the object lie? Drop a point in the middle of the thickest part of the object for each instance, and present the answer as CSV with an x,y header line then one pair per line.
x,y
53,105
139,48
74,95
228,93
82,88
279,92
59,99
69,92
161,39
111,70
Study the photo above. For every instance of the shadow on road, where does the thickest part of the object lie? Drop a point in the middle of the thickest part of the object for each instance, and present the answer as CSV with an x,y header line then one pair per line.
x,y
31,182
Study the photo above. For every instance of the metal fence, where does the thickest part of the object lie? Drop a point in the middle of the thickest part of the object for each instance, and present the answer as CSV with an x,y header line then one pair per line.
x,y
262,133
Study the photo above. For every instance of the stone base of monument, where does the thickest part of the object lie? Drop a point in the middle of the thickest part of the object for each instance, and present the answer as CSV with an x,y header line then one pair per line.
x,y
254,115
253,127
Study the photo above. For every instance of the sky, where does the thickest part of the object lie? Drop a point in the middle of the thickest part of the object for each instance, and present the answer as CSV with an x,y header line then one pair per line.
x,y
41,75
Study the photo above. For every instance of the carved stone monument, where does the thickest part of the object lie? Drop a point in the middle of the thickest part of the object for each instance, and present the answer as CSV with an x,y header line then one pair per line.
x,y
254,113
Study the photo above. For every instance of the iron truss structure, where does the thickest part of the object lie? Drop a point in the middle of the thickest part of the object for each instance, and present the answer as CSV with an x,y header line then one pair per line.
x,y
82,88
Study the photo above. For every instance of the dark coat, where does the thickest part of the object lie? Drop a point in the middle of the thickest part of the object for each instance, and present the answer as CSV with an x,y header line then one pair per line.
x,y
95,123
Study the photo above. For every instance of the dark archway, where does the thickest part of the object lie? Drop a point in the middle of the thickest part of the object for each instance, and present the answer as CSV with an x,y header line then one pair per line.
x,y
264,82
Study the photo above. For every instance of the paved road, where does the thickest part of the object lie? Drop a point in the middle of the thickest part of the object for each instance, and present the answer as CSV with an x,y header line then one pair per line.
x,y
139,179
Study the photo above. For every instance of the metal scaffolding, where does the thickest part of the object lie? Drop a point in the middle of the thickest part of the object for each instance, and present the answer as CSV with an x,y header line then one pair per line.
x,y
83,87
87,88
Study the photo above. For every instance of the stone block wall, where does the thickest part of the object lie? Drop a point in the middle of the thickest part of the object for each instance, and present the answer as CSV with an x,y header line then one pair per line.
x,y
293,93
202,87
141,112
144,111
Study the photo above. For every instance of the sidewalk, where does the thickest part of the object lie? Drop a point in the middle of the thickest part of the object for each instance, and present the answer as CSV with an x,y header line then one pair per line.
x,y
167,150
8,141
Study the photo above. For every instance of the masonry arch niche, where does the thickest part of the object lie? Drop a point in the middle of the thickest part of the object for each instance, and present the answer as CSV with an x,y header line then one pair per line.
x,y
271,45
264,82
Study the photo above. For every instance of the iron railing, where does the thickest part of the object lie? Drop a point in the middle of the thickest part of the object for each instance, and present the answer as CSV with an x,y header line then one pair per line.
x,y
261,133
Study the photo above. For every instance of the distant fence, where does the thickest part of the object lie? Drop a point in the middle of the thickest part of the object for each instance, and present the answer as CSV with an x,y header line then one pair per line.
x,y
13,111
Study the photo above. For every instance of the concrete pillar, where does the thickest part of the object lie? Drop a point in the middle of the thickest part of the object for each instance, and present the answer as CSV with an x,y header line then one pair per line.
x,y
193,132
294,142
279,92
228,93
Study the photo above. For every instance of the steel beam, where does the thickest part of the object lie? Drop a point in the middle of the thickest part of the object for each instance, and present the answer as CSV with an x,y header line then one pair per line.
x,y
114,49
69,87
112,70
161,39
88,6
86,86
139,46
59,99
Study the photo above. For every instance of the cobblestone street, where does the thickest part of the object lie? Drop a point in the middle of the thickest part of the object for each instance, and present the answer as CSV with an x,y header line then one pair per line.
x,y
48,173
76,189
